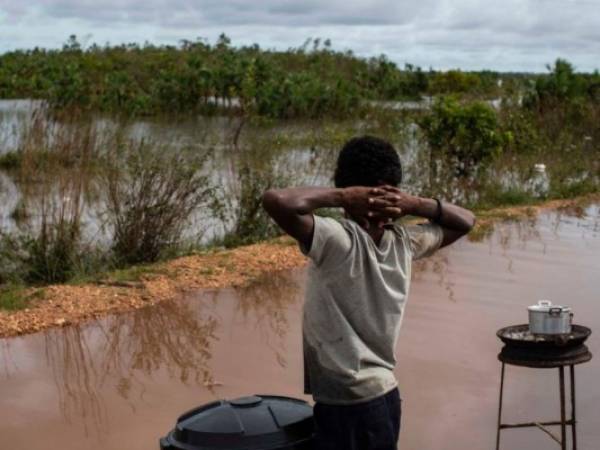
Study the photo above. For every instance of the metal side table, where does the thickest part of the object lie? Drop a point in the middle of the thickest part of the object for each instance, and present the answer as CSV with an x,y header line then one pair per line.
x,y
544,353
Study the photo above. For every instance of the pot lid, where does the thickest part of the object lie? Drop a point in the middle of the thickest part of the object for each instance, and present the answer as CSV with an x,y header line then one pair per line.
x,y
254,422
546,305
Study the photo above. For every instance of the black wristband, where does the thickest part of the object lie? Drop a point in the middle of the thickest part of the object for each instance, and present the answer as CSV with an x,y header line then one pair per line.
x,y
438,211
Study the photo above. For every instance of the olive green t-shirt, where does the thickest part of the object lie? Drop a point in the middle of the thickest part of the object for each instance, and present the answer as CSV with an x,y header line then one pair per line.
x,y
355,297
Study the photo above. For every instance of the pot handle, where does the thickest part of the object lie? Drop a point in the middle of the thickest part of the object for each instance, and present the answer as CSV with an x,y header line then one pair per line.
x,y
544,303
555,311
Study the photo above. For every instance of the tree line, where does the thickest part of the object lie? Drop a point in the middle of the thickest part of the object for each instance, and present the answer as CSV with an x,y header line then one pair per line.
x,y
312,80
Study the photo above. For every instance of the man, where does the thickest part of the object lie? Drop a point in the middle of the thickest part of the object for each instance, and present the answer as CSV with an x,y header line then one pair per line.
x,y
357,288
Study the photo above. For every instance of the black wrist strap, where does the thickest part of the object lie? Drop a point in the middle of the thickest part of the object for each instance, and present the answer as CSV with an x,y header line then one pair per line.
x,y
438,212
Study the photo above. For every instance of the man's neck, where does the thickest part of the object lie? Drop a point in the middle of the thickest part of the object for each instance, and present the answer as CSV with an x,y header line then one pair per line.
x,y
373,230
376,233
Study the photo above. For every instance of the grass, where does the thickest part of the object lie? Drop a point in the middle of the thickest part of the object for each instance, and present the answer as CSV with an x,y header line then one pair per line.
x,y
135,273
14,297
132,274
575,189
496,197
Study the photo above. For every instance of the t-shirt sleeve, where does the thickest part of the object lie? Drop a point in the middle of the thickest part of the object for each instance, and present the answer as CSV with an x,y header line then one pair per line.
x,y
330,242
425,239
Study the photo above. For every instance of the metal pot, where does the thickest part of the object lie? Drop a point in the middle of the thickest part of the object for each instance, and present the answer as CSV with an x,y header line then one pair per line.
x,y
546,318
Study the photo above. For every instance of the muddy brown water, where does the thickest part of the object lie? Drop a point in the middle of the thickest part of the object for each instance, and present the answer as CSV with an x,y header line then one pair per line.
x,y
120,382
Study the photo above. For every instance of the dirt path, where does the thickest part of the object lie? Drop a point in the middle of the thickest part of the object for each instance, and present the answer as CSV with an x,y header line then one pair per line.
x,y
60,305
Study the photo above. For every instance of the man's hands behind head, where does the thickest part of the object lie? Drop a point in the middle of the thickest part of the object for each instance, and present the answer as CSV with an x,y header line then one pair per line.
x,y
376,206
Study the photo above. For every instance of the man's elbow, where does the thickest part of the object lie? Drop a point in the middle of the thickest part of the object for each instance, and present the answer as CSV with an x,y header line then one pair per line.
x,y
272,200
470,221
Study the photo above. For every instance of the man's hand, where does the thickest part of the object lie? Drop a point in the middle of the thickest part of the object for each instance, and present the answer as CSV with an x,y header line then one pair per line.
x,y
454,220
368,204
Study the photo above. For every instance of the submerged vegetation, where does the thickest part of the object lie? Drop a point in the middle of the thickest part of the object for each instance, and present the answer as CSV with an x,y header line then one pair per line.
x,y
95,195
312,80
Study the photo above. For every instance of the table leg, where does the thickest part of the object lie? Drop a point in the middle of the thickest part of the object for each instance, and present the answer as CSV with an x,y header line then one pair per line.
x,y
563,427
573,419
500,407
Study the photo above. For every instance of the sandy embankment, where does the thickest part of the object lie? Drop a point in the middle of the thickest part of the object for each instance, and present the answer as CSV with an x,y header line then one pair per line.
x,y
60,305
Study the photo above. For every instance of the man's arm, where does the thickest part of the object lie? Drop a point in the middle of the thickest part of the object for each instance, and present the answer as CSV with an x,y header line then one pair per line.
x,y
292,208
454,220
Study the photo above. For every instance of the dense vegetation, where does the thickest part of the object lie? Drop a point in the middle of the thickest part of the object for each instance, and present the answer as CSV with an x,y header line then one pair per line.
x,y
309,81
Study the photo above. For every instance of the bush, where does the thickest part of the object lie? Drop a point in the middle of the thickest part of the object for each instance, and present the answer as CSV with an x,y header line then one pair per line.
x,y
454,81
151,193
465,136
251,223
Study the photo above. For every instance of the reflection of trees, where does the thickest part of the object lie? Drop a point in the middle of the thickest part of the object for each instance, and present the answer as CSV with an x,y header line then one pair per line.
x,y
438,264
169,337
505,235
6,358
76,376
587,217
268,298
172,338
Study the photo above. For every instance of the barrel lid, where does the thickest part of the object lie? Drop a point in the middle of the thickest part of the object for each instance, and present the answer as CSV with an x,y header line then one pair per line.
x,y
253,422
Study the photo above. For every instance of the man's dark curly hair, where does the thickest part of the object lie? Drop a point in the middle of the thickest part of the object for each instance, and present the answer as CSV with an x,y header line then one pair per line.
x,y
367,161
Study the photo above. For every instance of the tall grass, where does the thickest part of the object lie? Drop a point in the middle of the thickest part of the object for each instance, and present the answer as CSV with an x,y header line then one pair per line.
x,y
53,170
141,195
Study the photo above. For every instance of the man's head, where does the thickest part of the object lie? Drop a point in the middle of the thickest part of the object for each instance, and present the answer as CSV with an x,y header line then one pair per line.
x,y
367,161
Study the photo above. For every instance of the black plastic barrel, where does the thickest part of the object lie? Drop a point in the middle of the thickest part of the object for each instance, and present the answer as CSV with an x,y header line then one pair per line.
x,y
258,422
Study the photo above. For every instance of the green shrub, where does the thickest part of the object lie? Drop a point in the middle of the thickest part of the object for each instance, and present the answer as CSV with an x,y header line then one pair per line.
x,y
465,136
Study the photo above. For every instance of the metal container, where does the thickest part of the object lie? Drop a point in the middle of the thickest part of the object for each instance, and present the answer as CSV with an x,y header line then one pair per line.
x,y
546,318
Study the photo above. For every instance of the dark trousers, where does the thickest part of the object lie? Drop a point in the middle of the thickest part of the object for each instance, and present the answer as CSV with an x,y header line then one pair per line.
x,y
372,425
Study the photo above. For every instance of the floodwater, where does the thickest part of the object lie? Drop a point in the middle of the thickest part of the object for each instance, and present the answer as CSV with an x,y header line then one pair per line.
x,y
294,161
120,382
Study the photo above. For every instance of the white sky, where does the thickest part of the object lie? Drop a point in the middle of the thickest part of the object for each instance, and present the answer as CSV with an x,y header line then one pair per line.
x,y
519,35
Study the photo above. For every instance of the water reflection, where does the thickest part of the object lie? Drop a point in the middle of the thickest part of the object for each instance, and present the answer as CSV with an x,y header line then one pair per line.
x,y
174,340
512,238
268,300
123,352
9,199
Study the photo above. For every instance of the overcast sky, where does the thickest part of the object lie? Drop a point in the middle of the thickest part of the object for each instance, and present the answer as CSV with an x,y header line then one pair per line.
x,y
520,35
